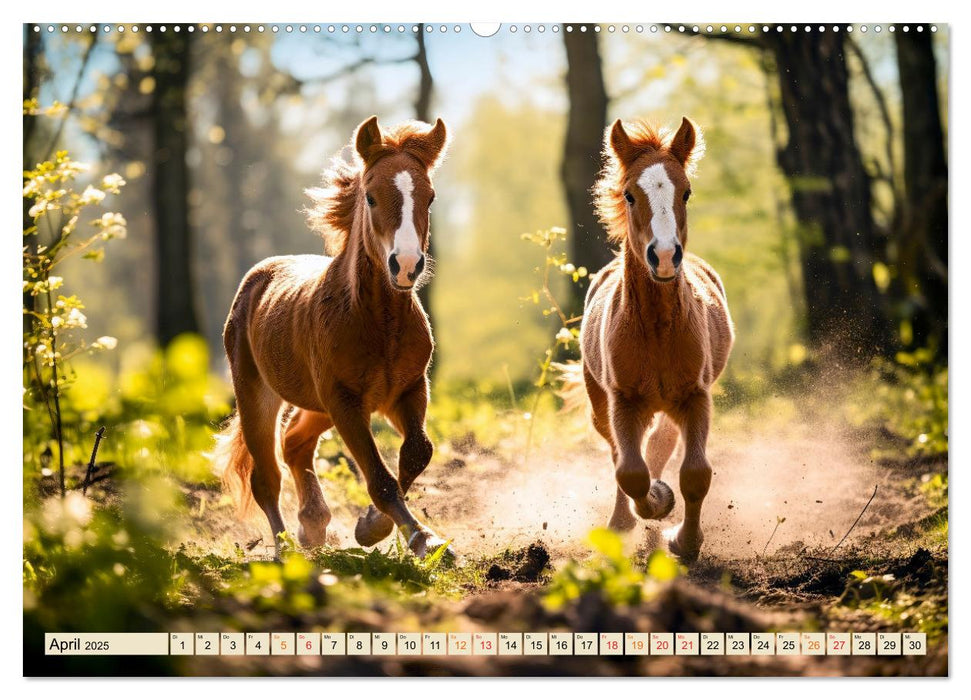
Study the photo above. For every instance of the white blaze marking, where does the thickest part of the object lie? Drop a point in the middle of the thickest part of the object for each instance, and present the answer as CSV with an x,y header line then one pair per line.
x,y
406,237
660,193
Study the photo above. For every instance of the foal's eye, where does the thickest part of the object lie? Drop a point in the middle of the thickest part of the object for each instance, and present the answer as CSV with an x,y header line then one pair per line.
x,y
370,200
629,197
432,199
687,193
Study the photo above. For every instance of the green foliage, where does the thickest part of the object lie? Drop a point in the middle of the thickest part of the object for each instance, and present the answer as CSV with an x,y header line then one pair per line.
x,y
544,297
507,180
53,319
88,567
160,408
908,400
610,573
882,597
291,586
566,338
352,490
935,489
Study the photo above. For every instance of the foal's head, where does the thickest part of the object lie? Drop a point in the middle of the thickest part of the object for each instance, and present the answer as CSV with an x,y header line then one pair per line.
x,y
643,194
397,192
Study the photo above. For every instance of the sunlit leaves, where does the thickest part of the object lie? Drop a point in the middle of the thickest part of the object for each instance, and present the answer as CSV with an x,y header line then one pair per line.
x,y
610,573
906,399
881,276
33,108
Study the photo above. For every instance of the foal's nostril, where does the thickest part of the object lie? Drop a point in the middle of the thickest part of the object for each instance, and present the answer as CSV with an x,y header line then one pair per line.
x,y
393,265
418,269
678,255
652,257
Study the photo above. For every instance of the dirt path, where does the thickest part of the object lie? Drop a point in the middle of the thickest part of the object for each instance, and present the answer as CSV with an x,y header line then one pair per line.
x,y
816,477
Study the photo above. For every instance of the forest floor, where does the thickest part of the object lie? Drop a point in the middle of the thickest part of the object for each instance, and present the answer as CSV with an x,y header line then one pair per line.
x,y
783,496
811,524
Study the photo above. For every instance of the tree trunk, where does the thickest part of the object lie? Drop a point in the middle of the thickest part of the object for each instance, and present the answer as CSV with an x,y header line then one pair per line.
x,y
831,197
922,249
423,105
175,299
581,153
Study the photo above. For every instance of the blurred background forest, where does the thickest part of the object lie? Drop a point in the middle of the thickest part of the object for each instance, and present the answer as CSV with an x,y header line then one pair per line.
x,y
822,202
815,217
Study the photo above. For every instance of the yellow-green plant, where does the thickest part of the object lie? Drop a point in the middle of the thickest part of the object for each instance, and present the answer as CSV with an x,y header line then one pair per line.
x,y
56,213
907,398
611,573
566,337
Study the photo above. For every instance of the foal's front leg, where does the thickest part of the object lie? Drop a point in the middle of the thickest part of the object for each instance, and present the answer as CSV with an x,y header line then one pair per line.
x,y
407,415
353,424
628,422
694,415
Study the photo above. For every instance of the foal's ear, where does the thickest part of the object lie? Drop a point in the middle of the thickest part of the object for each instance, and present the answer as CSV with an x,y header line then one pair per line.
x,y
368,140
683,144
621,144
429,147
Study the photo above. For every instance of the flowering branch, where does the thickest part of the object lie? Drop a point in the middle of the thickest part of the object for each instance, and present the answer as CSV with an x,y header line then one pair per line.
x,y
49,339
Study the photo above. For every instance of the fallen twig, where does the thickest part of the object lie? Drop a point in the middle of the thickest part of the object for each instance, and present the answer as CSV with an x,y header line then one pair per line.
x,y
98,436
778,522
855,521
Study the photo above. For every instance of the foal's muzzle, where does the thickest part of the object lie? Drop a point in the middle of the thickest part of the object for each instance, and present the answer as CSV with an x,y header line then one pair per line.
x,y
405,269
664,264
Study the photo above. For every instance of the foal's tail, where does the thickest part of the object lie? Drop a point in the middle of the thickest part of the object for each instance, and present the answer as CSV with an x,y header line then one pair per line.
x,y
572,389
232,460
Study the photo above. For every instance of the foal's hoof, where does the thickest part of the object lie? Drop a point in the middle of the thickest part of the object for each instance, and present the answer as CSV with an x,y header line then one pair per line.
x,y
372,527
425,543
312,537
658,504
622,522
685,548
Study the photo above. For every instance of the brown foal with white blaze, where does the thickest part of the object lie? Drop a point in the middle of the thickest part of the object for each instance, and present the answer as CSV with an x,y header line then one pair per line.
x,y
656,330
316,342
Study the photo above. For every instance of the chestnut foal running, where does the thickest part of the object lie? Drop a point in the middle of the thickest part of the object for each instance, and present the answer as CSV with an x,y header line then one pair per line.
x,y
656,331
317,342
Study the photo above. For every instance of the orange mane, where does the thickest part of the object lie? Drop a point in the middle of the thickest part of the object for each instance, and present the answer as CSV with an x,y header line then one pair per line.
x,y
608,192
331,213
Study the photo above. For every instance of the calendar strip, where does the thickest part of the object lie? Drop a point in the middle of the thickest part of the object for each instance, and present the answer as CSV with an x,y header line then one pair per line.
x,y
489,644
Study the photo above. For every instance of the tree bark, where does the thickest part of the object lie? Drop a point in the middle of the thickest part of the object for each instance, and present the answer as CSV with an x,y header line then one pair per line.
x,y
175,311
581,153
831,196
922,255
423,104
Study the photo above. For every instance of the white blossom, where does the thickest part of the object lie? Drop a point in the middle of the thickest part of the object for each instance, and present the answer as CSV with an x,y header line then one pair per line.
x,y
113,225
105,342
76,319
113,182
92,195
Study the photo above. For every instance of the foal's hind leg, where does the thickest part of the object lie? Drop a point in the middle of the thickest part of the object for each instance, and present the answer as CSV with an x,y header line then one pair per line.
x,y
628,421
407,415
259,408
694,416
622,519
299,450
661,441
